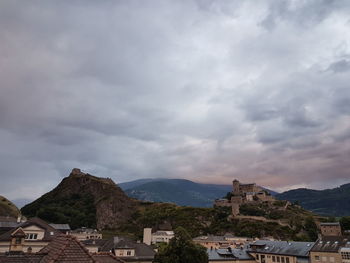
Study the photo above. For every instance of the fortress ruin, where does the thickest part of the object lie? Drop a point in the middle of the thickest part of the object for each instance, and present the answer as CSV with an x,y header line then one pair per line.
x,y
244,193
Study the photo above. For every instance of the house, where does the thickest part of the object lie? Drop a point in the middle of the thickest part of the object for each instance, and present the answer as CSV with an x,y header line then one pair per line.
x,y
7,223
86,233
160,236
266,251
37,234
94,245
229,255
63,228
62,249
331,229
331,249
128,250
228,240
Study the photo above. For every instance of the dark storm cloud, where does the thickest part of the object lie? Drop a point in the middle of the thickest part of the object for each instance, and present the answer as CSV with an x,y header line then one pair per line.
x,y
204,90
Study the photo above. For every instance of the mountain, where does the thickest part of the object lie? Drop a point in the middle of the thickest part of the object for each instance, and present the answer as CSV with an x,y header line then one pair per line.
x,y
83,200
178,191
330,202
7,208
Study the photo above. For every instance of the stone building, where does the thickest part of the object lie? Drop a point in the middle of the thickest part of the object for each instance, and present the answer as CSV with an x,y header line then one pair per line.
x,y
330,229
244,193
330,249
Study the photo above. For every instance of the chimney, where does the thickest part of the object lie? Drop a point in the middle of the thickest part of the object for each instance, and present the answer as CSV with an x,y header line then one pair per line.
x,y
116,240
147,236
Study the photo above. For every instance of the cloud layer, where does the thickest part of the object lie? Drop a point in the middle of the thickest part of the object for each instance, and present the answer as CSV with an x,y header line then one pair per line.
x,y
204,90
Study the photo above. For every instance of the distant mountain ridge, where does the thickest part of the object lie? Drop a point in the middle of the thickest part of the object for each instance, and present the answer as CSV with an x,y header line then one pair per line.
x,y
178,191
329,202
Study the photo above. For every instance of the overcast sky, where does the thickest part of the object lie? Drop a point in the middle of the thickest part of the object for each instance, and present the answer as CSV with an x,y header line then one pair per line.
x,y
198,89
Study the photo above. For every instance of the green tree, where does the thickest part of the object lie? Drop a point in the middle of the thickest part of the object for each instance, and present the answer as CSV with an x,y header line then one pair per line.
x,y
345,222
181,249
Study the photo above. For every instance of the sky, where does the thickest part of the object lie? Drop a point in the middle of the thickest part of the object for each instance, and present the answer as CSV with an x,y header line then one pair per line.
x,y
198,89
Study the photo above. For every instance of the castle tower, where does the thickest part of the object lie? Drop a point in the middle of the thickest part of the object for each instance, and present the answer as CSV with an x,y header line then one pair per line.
x,y
236,187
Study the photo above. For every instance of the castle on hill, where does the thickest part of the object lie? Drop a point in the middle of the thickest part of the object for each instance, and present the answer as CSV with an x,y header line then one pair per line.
x,y
244,193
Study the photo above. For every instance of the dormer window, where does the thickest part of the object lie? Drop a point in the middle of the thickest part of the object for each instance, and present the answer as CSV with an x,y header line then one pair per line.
x,y
18,240
31,236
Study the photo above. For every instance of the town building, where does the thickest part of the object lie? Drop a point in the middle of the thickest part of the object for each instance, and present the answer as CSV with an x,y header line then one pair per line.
x,y
37,234
7,223
62,249
229,255
124,248
266,251
86,233
331,249
160,236
330,229
220,242
63,228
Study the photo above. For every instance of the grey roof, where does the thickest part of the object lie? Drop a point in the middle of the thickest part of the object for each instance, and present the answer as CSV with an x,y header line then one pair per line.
x,y
330,244
61,226
229,255
50,232
297,249
94,242
142,251
8,224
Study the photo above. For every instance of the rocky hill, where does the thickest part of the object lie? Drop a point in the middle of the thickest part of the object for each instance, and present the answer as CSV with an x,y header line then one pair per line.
x,y
330,202
83,200
7,208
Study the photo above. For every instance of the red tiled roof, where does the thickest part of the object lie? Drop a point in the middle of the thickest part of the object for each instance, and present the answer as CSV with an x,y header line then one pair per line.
x,y
106,257
65,249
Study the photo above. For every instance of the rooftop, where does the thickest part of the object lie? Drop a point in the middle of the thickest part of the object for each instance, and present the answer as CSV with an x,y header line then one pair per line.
x,y
330,244
228,254
298,249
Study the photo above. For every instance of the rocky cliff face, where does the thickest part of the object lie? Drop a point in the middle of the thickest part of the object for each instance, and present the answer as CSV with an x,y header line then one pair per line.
x,y
81,197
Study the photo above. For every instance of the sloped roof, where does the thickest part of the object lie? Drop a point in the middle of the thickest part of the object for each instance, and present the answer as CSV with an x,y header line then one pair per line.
x,y
297,249
228,255
106,257
20,258
61,226
49,235
65,249
330,244
142,251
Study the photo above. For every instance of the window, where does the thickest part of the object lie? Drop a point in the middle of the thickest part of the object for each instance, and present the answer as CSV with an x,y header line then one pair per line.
x,y
257,257
287,259
278,259
317,258
31,236
331,259
345,255
18,240
128,253
282,259
273,259
324,259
